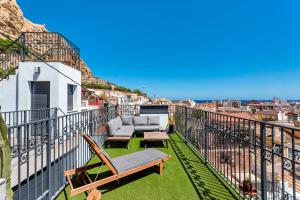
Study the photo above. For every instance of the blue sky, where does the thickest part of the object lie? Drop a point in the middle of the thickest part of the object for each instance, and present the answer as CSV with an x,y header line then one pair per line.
x,y
211,49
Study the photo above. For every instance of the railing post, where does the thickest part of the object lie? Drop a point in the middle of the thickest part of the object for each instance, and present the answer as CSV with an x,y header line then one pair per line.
x,y
22,46
91,122
185,123
55,112
59,47
205,135
117,113
263,161
106,113
49,126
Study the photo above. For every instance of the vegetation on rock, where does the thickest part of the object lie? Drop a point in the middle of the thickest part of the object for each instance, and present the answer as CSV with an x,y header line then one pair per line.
x,y
96,86
116,88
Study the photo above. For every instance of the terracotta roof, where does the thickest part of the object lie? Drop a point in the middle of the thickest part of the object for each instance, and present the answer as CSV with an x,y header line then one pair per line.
x,y
297,112
267,112
243,115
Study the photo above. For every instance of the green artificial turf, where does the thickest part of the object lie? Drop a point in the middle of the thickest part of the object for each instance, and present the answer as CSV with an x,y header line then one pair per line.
x,y
185,177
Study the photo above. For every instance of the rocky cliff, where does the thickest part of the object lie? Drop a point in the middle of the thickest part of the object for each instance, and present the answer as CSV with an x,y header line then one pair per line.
x,y
13,22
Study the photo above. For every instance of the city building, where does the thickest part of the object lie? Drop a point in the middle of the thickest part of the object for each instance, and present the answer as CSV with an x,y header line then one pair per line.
x,y
293,115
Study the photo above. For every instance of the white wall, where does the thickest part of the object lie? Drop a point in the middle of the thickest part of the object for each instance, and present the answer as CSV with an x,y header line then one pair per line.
x,y
58,86
282,116
164,119
8,90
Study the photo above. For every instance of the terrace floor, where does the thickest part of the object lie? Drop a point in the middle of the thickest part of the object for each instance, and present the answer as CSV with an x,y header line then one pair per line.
x,y
185,176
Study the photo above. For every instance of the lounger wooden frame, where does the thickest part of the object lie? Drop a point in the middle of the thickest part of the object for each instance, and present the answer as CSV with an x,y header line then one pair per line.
x,y
115,177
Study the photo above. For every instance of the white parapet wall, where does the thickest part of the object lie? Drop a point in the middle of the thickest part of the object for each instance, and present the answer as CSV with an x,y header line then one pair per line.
x,y
15,93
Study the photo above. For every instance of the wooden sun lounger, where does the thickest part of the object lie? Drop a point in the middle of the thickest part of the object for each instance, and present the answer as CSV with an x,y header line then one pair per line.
x,y
145,159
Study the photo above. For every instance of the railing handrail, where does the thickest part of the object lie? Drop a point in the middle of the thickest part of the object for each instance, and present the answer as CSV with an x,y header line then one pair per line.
x,y
55,117
41,109
241,118
58,33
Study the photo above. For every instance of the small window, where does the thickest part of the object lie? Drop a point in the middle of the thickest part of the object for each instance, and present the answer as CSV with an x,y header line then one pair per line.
x,y
71,90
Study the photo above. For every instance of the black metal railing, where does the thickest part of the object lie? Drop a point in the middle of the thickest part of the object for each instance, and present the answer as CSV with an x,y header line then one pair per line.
x,y
13,118
43,149
37,47
241,150
129,110
245,152
51,47
9,59
134,110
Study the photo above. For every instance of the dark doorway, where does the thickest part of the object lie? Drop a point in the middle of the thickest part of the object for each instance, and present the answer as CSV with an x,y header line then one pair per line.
x,y
71,90
40,100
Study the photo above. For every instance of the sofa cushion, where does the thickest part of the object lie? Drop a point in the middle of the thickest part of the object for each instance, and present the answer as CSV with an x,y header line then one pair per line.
x,y
140,120
125,131
153,120
147,128
127,120
114,125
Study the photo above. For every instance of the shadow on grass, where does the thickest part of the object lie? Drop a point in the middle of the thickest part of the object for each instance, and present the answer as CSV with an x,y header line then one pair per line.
x,y
112,185
154,144
117,144
205,183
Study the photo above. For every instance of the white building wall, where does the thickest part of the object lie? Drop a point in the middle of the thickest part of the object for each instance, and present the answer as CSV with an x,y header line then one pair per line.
x,y
282,116
8,91
58,86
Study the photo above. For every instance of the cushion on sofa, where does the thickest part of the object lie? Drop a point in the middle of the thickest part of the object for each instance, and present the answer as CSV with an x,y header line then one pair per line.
x,y
125,131
147,128
127,120
114,125
140,121
153,120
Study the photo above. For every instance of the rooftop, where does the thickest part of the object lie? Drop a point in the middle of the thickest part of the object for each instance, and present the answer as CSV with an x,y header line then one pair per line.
x,y
185,176
212,155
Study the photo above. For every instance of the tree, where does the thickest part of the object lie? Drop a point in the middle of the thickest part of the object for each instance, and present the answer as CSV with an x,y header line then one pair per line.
x,y
11,46
139,92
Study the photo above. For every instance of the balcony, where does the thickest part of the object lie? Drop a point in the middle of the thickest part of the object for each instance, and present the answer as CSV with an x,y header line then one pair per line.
x,y
213,155
185,175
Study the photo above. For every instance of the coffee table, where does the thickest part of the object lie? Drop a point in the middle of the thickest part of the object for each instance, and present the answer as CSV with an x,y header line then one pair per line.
x,y
156,136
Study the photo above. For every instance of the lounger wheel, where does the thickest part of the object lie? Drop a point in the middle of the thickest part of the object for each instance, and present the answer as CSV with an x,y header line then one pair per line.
x,y
94,195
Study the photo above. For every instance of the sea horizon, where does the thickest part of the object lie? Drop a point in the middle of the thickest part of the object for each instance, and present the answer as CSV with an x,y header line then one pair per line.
x,y
242,100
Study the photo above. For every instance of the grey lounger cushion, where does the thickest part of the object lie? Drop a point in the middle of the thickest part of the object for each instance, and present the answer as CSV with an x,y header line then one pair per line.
x,y
153,120
147,128
127,120
125,131
133,160
114,125
102,150
140,121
